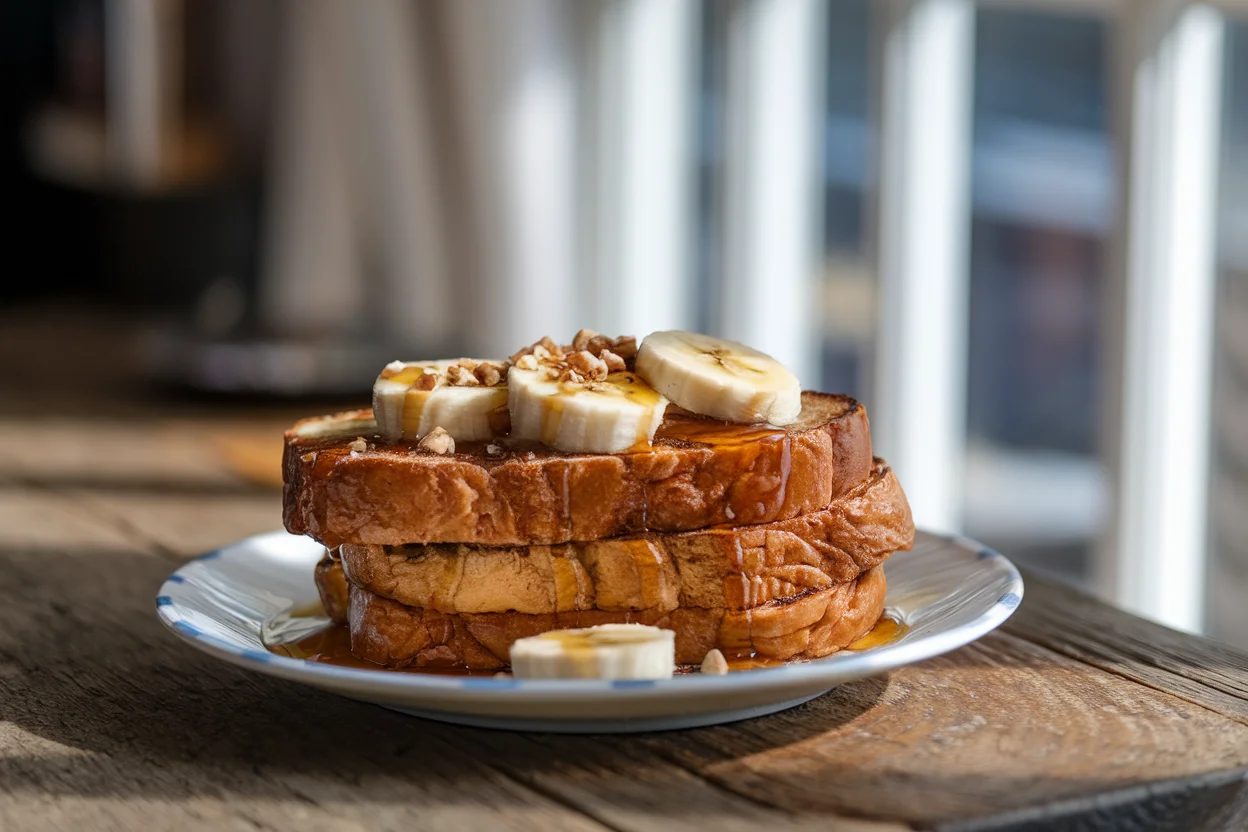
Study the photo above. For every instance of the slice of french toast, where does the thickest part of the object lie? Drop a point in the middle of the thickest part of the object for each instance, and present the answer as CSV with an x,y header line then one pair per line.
x,y
810,625
735,567
344,484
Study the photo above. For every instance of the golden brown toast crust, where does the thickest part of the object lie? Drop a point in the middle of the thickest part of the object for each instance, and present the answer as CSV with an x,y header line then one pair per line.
x,y
732,567
392,494
812,625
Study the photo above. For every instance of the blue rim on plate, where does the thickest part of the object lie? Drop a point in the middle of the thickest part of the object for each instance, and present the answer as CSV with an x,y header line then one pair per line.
x,y
949,591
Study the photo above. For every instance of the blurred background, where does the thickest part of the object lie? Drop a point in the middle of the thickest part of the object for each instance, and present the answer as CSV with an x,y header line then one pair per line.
x,y
1016,230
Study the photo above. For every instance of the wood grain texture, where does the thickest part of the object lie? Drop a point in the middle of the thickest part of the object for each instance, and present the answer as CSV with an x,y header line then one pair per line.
x,y
1073,716
999,725
101,708
1076,625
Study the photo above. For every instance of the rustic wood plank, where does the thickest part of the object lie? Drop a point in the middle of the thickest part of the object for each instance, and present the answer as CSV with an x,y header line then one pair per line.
x,y
622,782
192,456
1208,803
183,526
106,716
33,518
1076,625
1000,725
175,526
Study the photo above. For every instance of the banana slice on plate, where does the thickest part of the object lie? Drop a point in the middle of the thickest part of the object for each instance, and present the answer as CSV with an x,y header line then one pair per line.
x,y
410,399
719,378
562,410
608,651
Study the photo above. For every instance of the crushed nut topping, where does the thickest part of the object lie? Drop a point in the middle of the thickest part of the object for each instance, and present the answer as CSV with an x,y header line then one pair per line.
x,y
461,377
715,664
625,347
359,446
494,450
588,365
615,364
437,441
490,373
465,372
580,341
586,340
590,357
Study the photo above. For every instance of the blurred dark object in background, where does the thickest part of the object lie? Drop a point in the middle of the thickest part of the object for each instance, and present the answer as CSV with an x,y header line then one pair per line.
x,y
135,136
128,186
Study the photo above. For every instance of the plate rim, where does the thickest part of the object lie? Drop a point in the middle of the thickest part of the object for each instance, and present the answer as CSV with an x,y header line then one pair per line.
x,y
385,683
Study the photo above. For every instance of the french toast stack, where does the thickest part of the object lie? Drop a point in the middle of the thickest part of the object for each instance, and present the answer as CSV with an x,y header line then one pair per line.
x,y
761,541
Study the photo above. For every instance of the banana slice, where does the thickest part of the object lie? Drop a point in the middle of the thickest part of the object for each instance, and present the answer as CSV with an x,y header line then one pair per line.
x,y
412,398
565,411
608,651
719,378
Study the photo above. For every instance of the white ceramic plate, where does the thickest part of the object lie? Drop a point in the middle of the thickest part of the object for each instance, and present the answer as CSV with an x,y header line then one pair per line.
x,y
948,591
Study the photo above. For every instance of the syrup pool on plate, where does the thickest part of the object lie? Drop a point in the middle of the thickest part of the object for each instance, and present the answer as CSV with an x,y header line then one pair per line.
x,y
887,630
306,634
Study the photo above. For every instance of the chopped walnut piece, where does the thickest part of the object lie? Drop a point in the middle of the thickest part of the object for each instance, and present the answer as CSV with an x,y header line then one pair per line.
x,y
549,343
468,364
490,373
460,377
614,363
591,357
580,341
359,446
714,664
625,347
437,441
588,365
427,381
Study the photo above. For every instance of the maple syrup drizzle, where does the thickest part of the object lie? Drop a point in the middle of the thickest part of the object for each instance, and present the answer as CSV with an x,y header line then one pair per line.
x,y
705,431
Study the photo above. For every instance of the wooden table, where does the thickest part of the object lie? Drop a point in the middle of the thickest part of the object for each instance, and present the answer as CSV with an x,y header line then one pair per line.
x,y
1073,716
